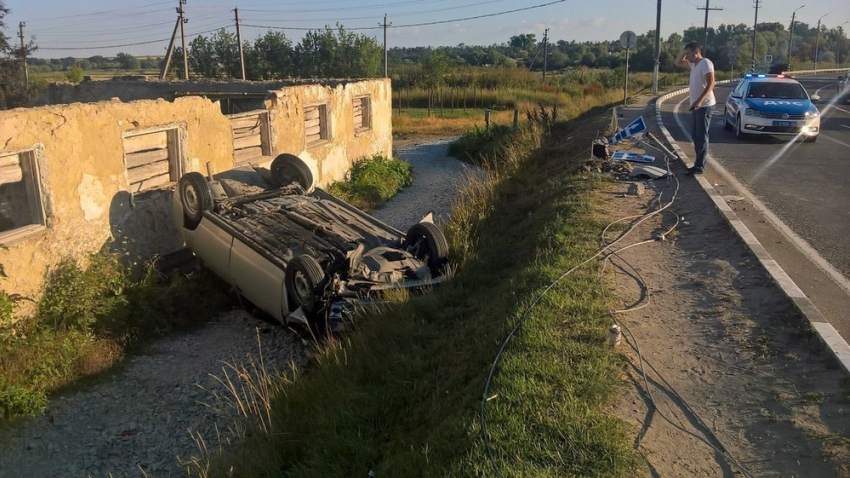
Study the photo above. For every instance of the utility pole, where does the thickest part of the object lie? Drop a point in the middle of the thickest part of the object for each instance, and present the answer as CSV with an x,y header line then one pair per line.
x,y
21,26
791,35
385,25
817,41
755,30
239,39
657,49
183,37
840,39
545,52
705,28
170,52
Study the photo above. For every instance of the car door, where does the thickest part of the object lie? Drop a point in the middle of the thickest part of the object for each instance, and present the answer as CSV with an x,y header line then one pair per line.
x,y
258,279
733,103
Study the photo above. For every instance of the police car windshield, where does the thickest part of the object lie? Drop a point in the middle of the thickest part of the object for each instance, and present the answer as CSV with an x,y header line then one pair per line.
x,y
777,90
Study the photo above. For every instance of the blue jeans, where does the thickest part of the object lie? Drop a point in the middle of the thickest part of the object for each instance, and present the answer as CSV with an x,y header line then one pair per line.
x,y
702,122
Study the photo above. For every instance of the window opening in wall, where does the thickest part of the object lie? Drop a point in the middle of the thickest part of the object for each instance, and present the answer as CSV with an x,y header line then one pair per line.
x,y
251,136
362,113
21,205
153,157
316,124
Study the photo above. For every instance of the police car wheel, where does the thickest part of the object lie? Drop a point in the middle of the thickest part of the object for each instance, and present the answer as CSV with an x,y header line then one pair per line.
x,y
739,133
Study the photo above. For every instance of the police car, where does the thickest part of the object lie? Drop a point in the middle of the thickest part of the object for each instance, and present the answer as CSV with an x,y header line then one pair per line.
x,y
772,105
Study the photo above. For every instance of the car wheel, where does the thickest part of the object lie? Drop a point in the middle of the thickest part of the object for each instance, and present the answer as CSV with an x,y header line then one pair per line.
x,y
195,197
288,168
726,124
427,242
810,139
302,280
738,130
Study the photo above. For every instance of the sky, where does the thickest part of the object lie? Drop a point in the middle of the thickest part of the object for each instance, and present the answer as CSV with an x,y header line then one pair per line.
x,y
84,28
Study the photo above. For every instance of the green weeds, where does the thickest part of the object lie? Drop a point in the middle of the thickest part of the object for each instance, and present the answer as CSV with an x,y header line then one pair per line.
x,y
84,322
373,181
401,395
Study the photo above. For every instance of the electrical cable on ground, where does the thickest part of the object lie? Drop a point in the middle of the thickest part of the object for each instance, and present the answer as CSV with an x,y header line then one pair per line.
x,y
607,250
527,312
719,448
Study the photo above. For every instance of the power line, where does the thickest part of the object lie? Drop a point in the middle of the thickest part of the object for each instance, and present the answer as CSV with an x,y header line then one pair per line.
x,y
149,36
418,24
128,44
406,14
376,6
136,11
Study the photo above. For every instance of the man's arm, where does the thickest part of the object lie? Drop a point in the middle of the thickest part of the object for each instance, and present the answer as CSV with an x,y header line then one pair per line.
x,y
682,60
709,80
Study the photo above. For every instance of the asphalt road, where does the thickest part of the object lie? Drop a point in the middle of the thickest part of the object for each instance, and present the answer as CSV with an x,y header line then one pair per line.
x,y
807,185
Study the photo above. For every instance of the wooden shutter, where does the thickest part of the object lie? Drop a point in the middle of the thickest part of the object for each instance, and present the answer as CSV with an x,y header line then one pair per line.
x,y
148,158
250,136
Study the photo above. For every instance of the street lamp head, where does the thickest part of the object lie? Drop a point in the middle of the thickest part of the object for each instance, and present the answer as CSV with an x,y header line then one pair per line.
x,y
825,14
801,6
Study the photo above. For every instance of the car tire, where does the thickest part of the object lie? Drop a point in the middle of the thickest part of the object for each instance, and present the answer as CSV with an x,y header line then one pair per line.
x,y
726,124
288,168
426,241
195,198
303,281
810,139
738,130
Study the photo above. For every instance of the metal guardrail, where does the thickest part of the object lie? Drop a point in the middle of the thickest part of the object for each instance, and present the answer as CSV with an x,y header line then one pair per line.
x,y
814,72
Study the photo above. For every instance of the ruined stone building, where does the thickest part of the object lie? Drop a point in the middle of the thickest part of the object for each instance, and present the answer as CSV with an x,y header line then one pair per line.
x,y
95,167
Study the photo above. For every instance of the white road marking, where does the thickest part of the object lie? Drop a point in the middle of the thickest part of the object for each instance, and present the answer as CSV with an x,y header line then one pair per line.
x,y
846,126
842,143
840,109
798,241
817,92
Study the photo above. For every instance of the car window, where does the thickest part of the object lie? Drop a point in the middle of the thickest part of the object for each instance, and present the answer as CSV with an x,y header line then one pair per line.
x,y
739,89
785,91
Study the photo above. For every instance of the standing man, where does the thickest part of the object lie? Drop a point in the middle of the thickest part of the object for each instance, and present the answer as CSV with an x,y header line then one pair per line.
x,y
701,88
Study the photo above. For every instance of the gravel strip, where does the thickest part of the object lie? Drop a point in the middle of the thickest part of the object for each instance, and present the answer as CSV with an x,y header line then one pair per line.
x,y
436,178
142,418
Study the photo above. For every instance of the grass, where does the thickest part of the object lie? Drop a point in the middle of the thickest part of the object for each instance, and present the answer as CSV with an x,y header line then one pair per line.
x,y
373,181
400,396
85,321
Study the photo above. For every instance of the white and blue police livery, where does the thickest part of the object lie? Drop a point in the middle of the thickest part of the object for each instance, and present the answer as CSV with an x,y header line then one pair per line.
x,y
772,105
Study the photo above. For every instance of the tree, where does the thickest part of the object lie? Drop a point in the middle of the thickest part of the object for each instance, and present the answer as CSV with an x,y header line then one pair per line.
x,y
74,74
523,41
127,61
14,90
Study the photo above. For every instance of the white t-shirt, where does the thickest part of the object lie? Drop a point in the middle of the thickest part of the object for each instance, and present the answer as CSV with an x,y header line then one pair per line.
x,y
698,82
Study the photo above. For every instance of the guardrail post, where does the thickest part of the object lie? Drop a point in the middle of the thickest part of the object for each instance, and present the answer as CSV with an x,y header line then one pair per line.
x,y
487,120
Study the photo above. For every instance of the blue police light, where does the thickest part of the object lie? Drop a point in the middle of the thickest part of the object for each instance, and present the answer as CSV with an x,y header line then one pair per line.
x,y
748,75
762,76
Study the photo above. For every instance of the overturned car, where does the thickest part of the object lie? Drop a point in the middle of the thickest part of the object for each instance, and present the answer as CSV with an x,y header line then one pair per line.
x,y
295,251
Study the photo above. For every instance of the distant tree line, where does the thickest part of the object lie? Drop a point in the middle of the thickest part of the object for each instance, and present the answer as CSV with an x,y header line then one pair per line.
x,y
328,53
729,46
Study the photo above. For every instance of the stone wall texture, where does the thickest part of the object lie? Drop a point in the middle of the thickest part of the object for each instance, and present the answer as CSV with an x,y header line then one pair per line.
x,y
84,183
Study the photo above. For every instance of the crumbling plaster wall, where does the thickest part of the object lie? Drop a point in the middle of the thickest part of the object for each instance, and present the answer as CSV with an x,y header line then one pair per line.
x,y
330,160
85,186
84,181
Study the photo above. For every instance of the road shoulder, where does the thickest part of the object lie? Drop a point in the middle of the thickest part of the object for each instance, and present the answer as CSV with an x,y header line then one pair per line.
x,y
730,364
830,337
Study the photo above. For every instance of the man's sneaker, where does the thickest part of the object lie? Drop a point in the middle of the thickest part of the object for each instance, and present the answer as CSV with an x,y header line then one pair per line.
x,y
692,171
